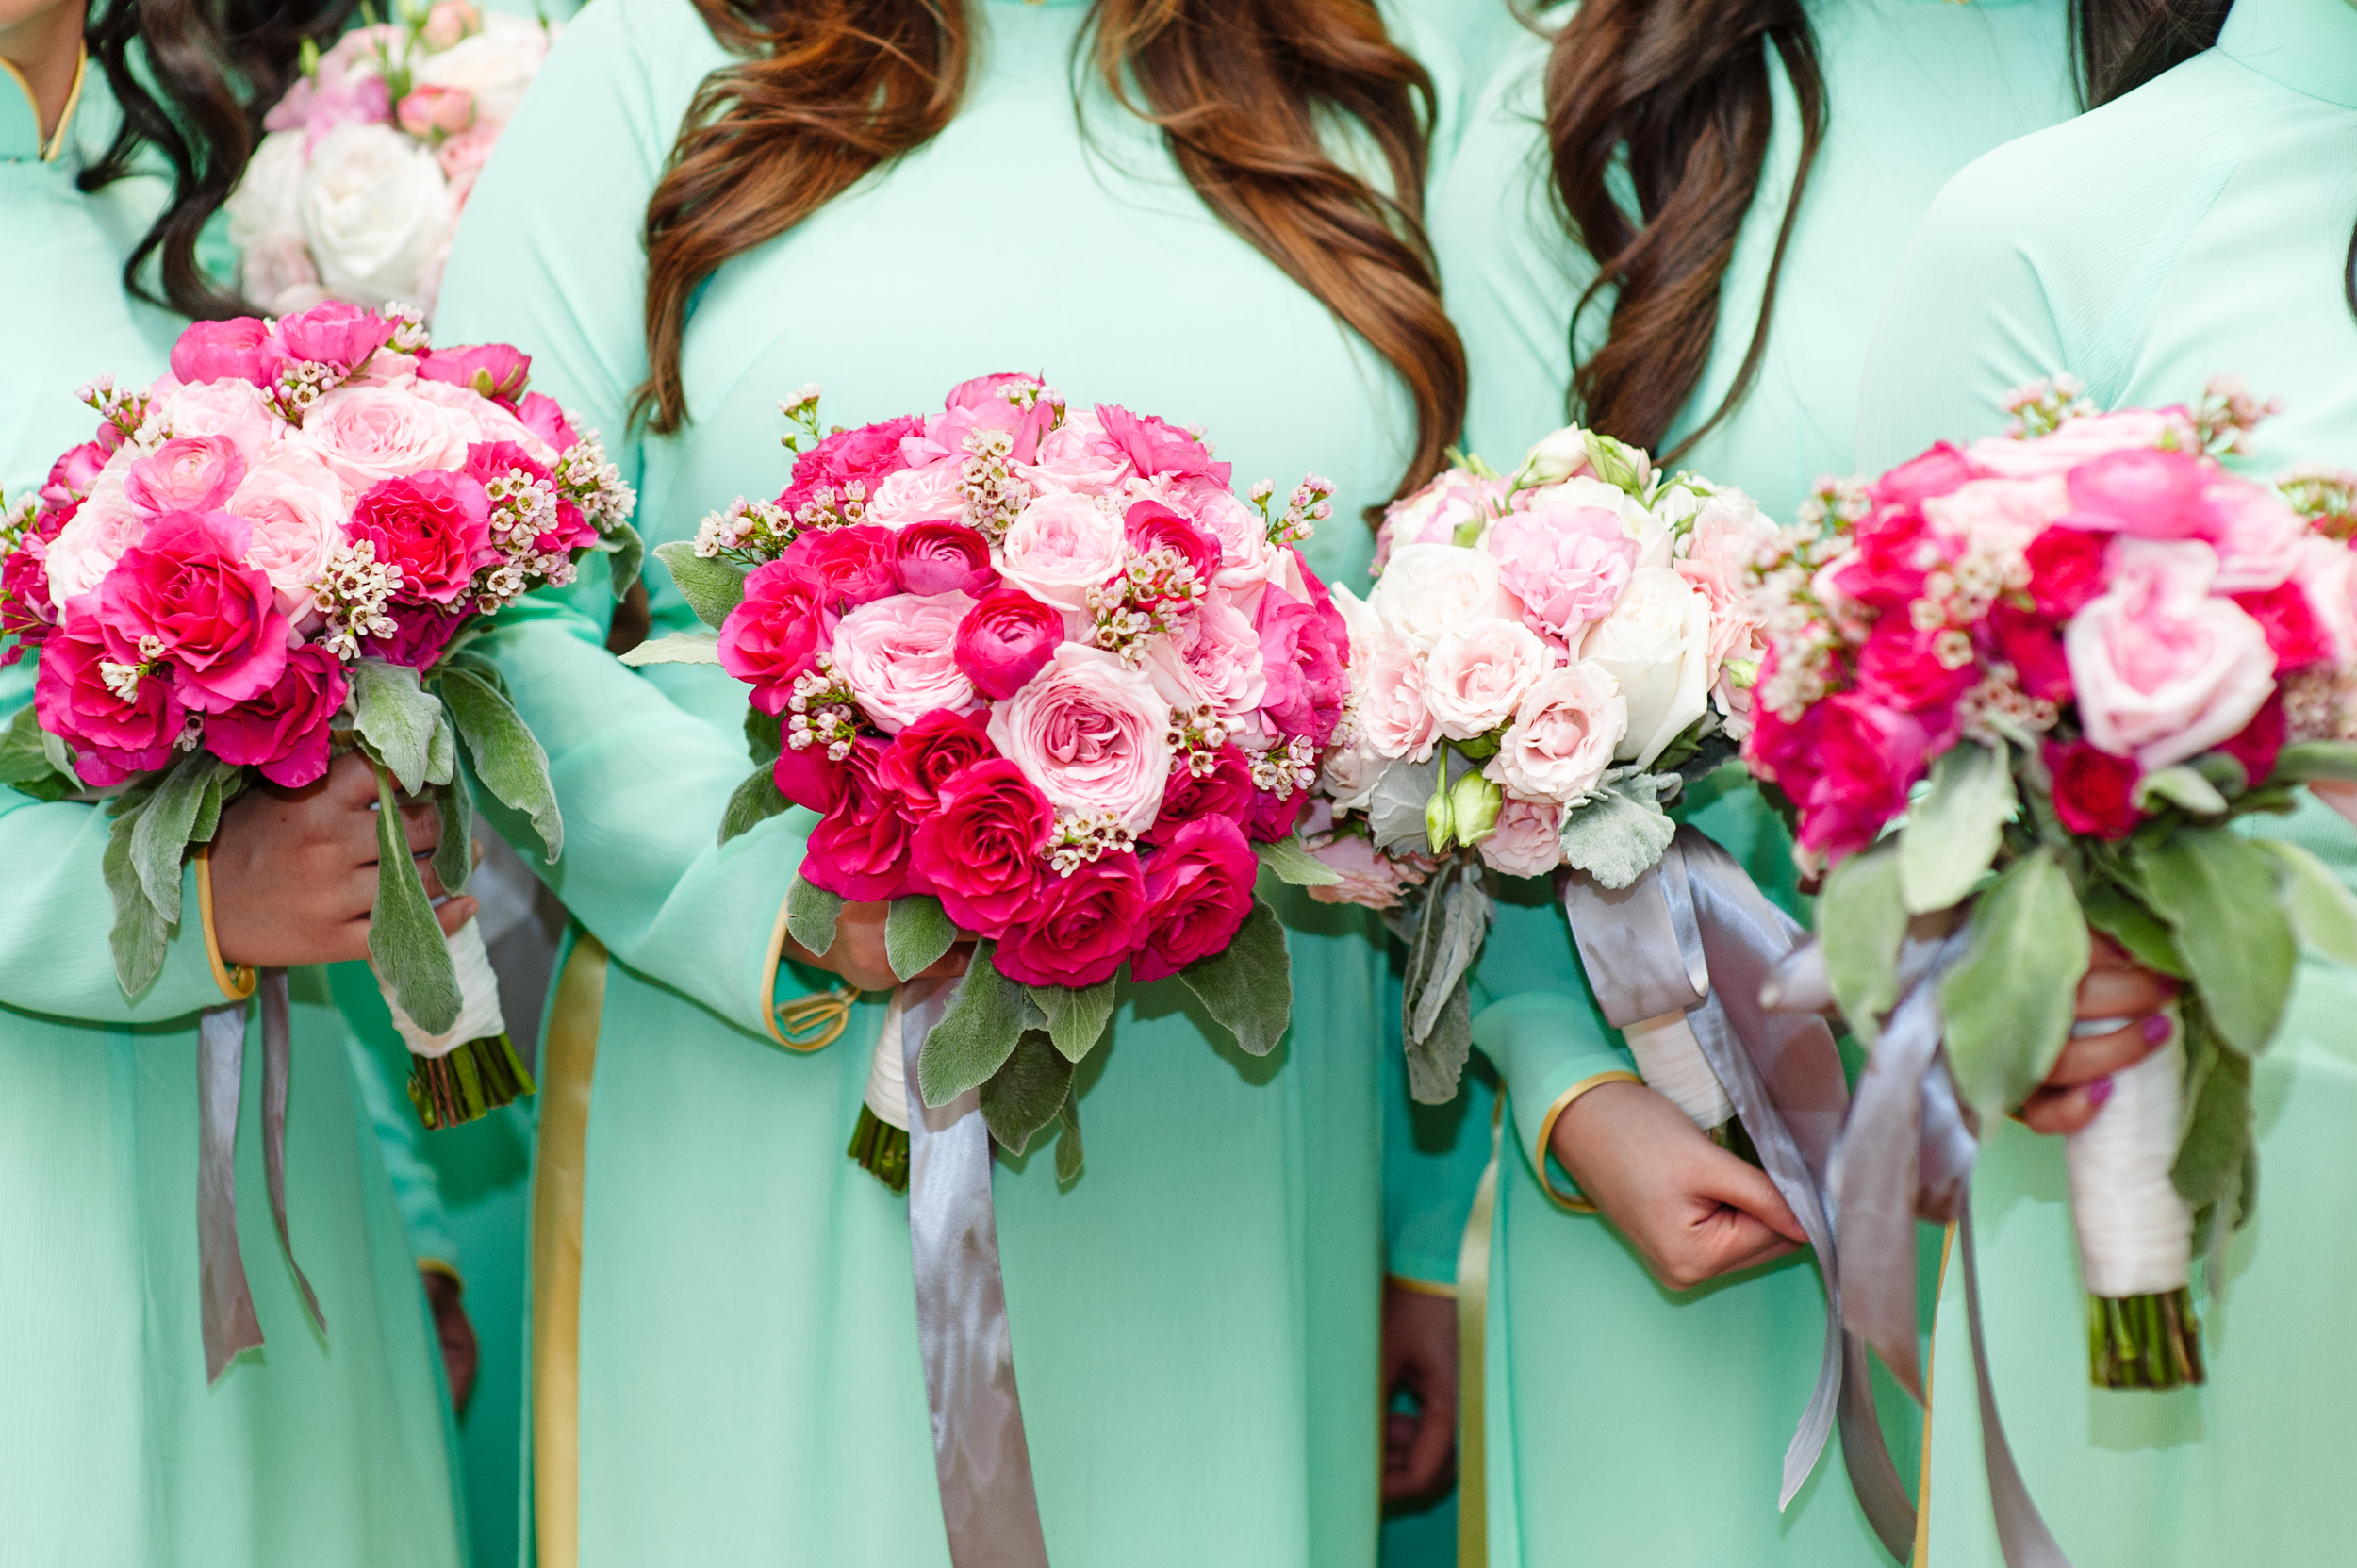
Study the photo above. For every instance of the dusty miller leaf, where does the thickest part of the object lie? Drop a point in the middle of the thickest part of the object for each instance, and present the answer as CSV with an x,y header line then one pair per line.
x,y
159,841
1395,808
1617,838
1448,938
453,858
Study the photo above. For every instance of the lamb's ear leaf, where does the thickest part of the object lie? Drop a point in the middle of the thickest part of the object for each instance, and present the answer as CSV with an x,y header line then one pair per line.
x,y
396,716
753,802
1861,920
977,1034
698,647
2322,906
2010,1000
711,587
1954,831
505,753
2242,964
1069,1157
2218,1122
1249,986
159,841
405,941
1075,1019
810,915
139,935
918,930
1294,864
1027,1092
453,858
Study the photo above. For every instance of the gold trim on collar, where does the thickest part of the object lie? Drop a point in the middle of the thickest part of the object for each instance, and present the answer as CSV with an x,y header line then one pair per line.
x,y
54,146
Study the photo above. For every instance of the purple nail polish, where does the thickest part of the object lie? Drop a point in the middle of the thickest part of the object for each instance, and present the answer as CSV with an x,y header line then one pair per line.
x,y
2099,1090
2157,1029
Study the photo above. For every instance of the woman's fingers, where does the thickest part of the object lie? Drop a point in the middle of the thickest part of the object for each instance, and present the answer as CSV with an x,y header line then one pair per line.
x,y
2094,1056
1745,1186
2124,993
2060,1112
453,913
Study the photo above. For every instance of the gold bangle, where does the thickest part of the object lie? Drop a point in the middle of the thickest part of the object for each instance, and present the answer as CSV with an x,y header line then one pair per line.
x,y
238,984
447,1271
1546,1136
810,1023
1421,1287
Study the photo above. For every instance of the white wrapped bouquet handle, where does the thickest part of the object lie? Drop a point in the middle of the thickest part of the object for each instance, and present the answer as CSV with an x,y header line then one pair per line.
x,y
1671,1062
471,1069
479,1016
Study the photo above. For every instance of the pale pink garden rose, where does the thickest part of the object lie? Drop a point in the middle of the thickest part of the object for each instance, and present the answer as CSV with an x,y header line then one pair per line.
x,y
1429,589
492,66
1999,517
2161,670
2078,441
1366,629
1059,547
367,434
1565,731
899,655
1090,734
1476,676
1076,458
1656,644
1650,529
1567,563
232,408
2260,540
1348,773
428,109
1370,878
489,420
1247,559
1214,658
104,526
929,494
1433,514
2325,571
461,157
1718,549
1527,841
297,506
1392,711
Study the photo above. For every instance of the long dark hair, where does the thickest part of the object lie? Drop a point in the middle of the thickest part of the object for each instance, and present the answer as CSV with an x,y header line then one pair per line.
x,y
193,78
1680,89
830,89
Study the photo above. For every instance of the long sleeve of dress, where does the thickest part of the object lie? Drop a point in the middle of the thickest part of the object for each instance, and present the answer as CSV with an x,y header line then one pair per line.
x,y
417,1188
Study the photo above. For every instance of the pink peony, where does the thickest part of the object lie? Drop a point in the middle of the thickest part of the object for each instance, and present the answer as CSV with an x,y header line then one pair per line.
x,y
1005,639
898,654
496,371
848,566
2163,671
546,420
435,526
334,333
183,594
1527,841
1567,725
112,739
1478,675
1079,928
367,434
1198,891
1060,546
236,349
1568,565
943,557
1155,447
284,731
188,473
860,849
775,634
978,852
1092,735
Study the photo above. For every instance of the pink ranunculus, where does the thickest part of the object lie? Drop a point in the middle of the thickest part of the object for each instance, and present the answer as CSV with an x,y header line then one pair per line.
x,y
234,410
185,594
1477,675
297,506
497,370
1568,565
2078,441
429,109
421,632
1934,471
1078,459
188,473
102,528
75,473
1433,514
1155,447
545,419
775,634
2164,670
1394,711
367,434
1090,734
1213,659
336,333
1567,725
869,454
926,753
1997,517
909,496
1225,791
1079,928
2144,493
1303,650
436,526
1062,546
860,849
1370,878
848,566
112,739
1005,639
980,851
1199,890
943,557
284,731
236,350
1527,841
898,654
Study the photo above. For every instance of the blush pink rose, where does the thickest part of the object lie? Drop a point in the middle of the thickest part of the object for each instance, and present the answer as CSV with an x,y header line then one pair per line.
x,y
297,506
1245,556
1567,725
1392,711
1429,589
1062,546
980,851
935,492
429,109
1199,890
899,655
1092,735
1076,459
2077,441
1005,639
436,526
1998,517
1370,878
186,595
2164,670
284,731
368,434
776,632
2259,540
102,528
2145,493
236,350
112,739
1214,660
1478,675
1525,841
188,473
1936,471
1568,565
235,410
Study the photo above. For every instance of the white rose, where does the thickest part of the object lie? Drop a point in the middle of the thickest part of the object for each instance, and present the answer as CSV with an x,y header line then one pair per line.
x,y
263,207
1566,728
1429,589
1367,632
374,211
495,65
1657,644
1478,674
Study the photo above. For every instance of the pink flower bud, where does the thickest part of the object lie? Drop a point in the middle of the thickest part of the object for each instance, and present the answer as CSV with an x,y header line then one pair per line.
x,y
449,22
430,109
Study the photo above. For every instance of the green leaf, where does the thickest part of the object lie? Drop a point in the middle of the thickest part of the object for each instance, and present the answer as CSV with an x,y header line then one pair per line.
x,y
918,930
976,1036
1294,864
453,858
1954,832
1616,837
406,944
2217,1118
1455,922
1069,1157
2180,786
2322,909
139,935
2010,1001
2217,891
1076,1018
1027,1092
765,736
1396,806
1861,921
629,550
441,752
1437,1062
752,802
711,587
810,915
60,757
679,648
396,716
159,842
23,751
2317,759
2112,911
1249,987
506,755
208,807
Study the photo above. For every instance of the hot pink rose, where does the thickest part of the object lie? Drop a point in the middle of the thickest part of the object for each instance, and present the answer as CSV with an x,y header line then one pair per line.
x,y
435,526
1151,525
899,655
860,849
2094,792
1936,471
188,474
2078,441
979,852
1213,660
1079,928
2032,644
1392,711
334,333
2294,633
2066,569
1005,639
2163,671
1567,725
421,634
544,418
238,350
1155,447
1060,546
1303,646
923,755
1225,791
1901,666
77,470
1199,890
1092,735
933,493
497,371
848,566
2260,742
1884,568
112,739
297,506
1866,757
186,595
1478,675
284,731
943,557
775,634
372,433
868,454
1527,841
1568,565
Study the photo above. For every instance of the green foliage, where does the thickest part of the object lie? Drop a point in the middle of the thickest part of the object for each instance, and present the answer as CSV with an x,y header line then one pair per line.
x,y
453,858
2322,909
2183,788
1027,1092
976,1036
395,716
2218,1125
405,940
711,587
810,916
678,648
505,755
2112,911
1069,1156
1861,920
2215,890
160,835
1294,864
1619,835
918,930
1076,1018
1452,922
752,802
2010,1001
1954,832
139,933
1249,987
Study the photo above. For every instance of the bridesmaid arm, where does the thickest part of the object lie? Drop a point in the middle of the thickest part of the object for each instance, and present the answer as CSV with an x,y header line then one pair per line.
x,y
1550,1047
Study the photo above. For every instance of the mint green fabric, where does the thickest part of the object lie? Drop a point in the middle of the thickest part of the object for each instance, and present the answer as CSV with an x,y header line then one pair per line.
x,y
114,1451
1194,1318
2200,224
1656,1431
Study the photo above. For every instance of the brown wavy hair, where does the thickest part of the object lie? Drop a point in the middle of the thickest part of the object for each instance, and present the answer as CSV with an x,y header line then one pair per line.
x,y
829,90
1677,93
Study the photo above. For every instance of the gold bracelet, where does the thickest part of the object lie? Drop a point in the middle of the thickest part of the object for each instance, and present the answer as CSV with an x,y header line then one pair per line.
x,y
238,984
808,1023
1571,1201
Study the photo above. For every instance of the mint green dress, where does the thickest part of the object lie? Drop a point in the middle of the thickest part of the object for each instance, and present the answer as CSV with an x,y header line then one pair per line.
x,y
1194,1317
1625,1423
114,1452
2198,225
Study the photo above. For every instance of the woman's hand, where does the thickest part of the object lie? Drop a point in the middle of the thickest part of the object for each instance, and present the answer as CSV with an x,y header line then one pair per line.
x,y
1693,1210
2115,987
294,871
858,953
1419,1356
461,1355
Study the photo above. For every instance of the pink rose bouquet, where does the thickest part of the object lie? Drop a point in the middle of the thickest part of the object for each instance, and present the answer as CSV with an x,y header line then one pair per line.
x,y
1546,660
1049,684
2063,662
283,549
355,190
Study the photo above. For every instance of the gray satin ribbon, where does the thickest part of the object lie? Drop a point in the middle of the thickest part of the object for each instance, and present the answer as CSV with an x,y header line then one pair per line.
x,y
227,1297
1696,935
980,1456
